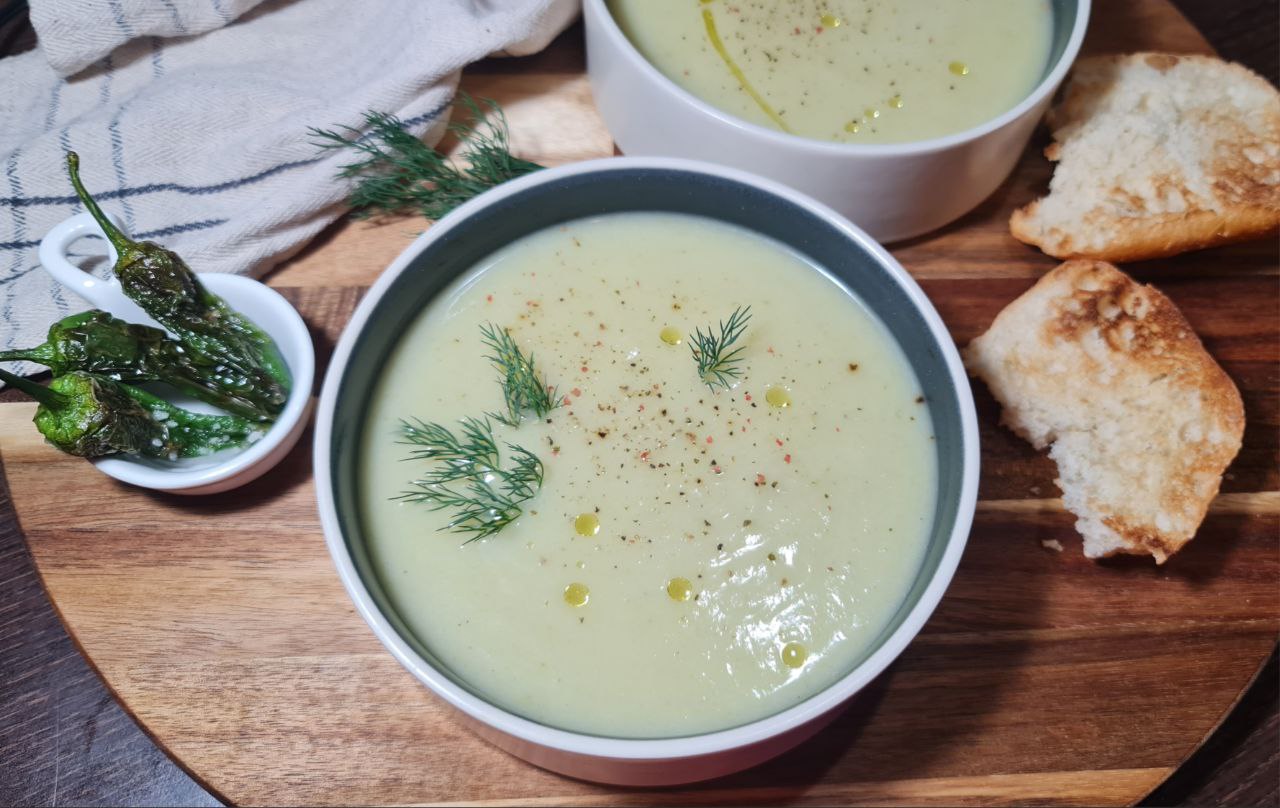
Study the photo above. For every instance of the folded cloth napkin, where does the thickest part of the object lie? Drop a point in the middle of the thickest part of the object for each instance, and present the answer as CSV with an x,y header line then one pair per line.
x,y
76,33
200,142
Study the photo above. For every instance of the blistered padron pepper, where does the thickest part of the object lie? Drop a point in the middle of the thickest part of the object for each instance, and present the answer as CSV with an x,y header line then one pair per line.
x,y
96,342
93,416
157,280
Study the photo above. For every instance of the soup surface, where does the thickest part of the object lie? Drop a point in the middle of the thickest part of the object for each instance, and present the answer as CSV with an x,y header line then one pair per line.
x,y
695,558
856,71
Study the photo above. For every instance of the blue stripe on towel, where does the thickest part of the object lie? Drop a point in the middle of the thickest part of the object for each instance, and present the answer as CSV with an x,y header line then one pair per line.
x,y
117,162
193,190
19,230
177,20
161,232
118,12
174,229
8,302
222,12
426,116
15,186
157,57
108,69
55,100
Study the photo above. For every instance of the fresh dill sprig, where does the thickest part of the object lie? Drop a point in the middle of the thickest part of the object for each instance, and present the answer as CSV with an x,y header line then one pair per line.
x,y
469,478
471,455
717,365
396,172
523,390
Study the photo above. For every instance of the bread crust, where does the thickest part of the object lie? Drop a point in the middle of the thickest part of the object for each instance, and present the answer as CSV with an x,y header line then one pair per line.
x,y
1139,417
1212,177
1161,236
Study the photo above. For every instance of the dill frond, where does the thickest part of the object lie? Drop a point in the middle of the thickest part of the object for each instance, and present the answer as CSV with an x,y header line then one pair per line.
x,y
395,172
472,454
717,365
484,496
523,390
525,477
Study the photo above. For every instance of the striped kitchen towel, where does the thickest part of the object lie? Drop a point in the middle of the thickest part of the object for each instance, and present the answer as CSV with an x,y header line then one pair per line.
x,y
200,142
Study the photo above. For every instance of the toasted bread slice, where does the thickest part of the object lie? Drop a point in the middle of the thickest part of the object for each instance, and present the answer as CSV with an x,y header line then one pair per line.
x,y
1157,154
1141,421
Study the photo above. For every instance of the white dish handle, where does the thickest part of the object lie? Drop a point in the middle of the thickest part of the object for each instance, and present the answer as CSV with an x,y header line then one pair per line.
x,y
103,294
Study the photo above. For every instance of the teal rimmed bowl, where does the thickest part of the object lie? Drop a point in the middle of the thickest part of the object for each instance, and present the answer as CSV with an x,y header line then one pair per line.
x,y
554,196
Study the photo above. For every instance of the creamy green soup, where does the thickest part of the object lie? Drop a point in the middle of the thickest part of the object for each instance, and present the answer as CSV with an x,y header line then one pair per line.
x,y
854,71
695,558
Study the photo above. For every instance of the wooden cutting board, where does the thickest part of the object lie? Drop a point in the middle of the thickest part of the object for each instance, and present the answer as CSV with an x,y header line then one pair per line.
x,y
220,623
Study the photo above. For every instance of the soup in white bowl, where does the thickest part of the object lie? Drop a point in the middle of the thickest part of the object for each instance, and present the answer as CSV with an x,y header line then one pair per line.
x,y
850,71
703,549
827,271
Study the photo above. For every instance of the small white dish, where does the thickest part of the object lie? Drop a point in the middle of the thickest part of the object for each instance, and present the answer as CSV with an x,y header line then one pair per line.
x,y
261,304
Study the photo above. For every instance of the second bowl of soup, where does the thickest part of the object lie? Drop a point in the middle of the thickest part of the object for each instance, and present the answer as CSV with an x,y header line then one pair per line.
x,y
901,115
645,466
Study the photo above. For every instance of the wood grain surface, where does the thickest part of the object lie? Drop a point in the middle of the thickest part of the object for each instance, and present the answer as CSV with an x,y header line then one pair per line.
x,y
221,625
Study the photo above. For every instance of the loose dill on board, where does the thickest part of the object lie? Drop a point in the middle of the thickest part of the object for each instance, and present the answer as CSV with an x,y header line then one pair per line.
x,y
717,365
469,477
397,172
523,389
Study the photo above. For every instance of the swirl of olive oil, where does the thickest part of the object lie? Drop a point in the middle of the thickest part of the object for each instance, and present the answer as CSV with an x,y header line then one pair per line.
x,y
713,36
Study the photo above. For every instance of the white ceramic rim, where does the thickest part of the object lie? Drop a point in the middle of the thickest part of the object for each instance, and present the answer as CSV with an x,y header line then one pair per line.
x,y
302,369
785,140
659,748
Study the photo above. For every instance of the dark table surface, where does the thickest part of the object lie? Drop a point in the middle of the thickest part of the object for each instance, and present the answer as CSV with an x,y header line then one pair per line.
x,y
64,740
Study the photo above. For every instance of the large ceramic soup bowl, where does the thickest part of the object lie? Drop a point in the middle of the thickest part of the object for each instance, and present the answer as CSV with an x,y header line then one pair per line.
x,y
645,466
860,105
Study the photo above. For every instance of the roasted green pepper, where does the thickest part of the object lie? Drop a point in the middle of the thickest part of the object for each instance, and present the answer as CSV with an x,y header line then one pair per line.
x,y
96,342
93,416
158,281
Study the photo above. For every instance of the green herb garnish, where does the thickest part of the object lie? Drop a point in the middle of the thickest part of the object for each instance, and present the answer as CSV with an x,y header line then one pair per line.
x,y
523,390
717,365
397,172
469,478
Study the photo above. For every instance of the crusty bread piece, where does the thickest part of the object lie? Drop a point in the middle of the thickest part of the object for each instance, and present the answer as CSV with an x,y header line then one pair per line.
x,y
1139,418
1157,154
